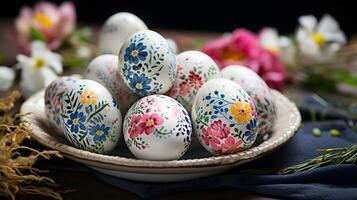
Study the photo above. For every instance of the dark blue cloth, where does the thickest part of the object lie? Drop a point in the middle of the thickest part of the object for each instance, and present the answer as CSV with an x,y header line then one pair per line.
x,y
330,182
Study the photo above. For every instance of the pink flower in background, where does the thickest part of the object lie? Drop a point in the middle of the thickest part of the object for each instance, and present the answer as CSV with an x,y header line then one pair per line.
x,y
243,47
45,21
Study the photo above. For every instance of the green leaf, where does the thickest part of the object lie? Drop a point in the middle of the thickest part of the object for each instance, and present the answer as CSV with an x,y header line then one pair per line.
x,y
319,82
2,58
37,35
84,34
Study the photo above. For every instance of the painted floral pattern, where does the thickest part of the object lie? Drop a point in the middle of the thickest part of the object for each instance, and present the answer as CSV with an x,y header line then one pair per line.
x,y
258,91
53,97
224,120
76,121
140,84
241,112
135,52
104,69
193,70
100,132
88,97
157,119
147,63
92,120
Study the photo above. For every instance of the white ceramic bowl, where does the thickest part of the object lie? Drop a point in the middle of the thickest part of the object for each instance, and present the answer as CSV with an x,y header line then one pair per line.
x,y
196,163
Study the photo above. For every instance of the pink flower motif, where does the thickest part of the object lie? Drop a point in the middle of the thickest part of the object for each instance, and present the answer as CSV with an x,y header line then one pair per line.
x,y
150,121
243,47
195,80
210,137
136,128
51,23
230,145
149,101
252,108
184,88
222,130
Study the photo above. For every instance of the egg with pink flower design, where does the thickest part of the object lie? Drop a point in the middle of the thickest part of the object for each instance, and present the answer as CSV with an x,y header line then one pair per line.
x,y
224,117
157,127
194,68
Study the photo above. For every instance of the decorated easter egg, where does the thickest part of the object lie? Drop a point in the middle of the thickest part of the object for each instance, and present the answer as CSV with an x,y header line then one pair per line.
x,y
147,63
53,97
194,68
258,91
172,45
157,127
104,70
117,29
224,117
91,119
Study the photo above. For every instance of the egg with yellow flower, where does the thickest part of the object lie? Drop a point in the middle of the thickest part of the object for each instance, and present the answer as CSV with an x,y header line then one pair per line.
x,y
91,117
260,93
224,117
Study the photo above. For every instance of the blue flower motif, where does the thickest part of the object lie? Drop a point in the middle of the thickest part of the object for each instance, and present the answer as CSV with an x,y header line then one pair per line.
x,y
251,134
126,71
141,84
76,121
252,125
100,132
115,104
134,53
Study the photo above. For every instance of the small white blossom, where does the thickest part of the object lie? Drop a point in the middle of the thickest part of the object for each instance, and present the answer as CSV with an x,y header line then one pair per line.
x,y
84,52
39,70
319,41
270,40
7,76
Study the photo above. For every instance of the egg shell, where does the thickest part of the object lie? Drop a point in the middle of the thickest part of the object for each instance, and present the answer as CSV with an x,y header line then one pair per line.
x,y
104,69
172,45
53,97
147,63
92,120
224,117
117,29
194,68
157,127
258,91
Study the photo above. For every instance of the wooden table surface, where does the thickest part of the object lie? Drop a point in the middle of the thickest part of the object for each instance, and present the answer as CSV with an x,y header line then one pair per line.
x,y
88,186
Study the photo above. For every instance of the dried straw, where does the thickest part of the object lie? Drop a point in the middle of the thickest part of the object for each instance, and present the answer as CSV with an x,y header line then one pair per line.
x,y
17,174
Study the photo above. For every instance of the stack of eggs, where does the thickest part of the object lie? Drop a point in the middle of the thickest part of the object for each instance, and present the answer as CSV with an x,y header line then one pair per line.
x,y
164,97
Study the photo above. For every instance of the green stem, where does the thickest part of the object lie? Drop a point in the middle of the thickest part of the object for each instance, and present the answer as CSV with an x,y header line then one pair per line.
x,y
98,111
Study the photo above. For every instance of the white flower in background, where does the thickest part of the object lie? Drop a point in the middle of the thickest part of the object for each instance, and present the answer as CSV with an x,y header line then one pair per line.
x,y
270,40
319,41
39,70
7,76
84,52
